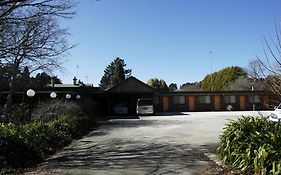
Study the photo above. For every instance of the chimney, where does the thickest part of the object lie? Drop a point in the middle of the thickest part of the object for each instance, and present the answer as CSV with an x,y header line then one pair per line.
x,y
74,81
52,82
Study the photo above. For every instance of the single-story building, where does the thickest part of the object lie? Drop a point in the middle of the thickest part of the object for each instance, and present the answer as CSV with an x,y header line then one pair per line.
x,y
131,89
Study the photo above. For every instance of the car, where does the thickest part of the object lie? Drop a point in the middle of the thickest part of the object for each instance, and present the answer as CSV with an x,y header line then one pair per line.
x,y
120,108
276,114
144,106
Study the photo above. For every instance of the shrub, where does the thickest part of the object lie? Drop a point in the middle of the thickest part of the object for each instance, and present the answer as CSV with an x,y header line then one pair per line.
x,y
252,146
25,145
54,109
14,153
18,113
44,137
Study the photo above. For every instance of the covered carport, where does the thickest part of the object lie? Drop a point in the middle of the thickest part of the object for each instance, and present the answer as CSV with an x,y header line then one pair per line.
x,y
128,92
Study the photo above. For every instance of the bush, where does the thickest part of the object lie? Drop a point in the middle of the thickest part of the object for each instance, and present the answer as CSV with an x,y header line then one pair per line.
x,y
252,146
18,113
14,152
25,145
54,109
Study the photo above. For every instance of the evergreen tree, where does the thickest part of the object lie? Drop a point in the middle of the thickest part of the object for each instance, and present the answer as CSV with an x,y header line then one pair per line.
x,y
43,79
219,80
114,73
157,84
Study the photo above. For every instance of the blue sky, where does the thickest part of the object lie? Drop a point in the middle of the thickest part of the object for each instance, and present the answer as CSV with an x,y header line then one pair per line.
x,y
167,39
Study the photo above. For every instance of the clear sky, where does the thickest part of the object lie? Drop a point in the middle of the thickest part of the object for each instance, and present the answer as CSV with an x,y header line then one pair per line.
x,y
167,39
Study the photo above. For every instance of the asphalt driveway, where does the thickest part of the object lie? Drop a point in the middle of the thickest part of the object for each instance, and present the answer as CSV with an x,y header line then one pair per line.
x,y
165,144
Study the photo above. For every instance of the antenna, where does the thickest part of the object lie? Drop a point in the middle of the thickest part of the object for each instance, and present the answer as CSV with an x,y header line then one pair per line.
x,y
87,78
77,68
211,61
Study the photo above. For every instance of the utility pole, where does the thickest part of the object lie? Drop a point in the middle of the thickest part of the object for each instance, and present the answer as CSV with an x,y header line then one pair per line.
x,y
211,61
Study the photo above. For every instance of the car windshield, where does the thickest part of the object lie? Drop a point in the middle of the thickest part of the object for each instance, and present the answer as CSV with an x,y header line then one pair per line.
x,y
147,102
279,106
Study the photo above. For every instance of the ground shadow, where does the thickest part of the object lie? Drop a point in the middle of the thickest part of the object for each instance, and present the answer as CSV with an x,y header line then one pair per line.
x,y
130,157
171,114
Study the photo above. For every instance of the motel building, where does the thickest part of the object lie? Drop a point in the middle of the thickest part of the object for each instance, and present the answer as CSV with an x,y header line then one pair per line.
x,y
132,89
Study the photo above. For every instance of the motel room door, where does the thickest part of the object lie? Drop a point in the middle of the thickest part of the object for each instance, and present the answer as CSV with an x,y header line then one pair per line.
x,y
165,104
217,103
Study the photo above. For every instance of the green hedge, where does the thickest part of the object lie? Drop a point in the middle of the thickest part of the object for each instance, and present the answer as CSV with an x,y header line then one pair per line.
x,y
22,146
252,146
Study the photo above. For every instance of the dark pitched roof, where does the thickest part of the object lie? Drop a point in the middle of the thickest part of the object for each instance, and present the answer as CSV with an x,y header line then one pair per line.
x,y
131,84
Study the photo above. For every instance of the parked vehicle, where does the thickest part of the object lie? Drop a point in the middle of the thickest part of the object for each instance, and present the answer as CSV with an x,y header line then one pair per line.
x,y
120,108
276,114
145,106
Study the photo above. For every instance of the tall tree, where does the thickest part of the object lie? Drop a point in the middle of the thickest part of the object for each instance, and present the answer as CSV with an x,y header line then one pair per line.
x,y
31,36
114,73
158,84
43,79
219,80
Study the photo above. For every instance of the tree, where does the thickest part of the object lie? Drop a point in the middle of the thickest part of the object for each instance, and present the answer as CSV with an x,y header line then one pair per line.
x,y
30,36
173,87
62,8
43,79
114,73
244,84
158,84
268,68
190,86
219,80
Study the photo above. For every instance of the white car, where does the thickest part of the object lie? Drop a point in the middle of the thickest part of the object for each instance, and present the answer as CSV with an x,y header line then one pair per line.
x,y
276,114
145,106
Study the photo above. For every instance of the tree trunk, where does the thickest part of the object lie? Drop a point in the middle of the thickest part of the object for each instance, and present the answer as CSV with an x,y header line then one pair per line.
x,y
9,100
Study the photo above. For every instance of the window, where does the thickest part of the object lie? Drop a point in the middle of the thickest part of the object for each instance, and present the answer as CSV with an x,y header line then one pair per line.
x,y
254,99
204,99
179,99
230,99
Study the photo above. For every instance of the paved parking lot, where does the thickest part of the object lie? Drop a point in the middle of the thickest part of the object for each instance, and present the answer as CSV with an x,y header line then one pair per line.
x,y
182,143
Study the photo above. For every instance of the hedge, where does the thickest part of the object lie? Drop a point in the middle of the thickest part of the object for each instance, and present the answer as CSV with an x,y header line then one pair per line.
x,y
252,145
25,145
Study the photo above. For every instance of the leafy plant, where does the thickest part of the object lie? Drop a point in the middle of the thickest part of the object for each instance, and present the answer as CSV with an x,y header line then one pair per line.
x,y
252,145
25,145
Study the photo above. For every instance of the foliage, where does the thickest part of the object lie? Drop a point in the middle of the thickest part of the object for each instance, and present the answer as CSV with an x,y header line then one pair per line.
x,y
222,78
42,80
22,146
190,86
158,84
53,109
32,37
24,81
243,83
114,73
252,145
173,87
18,113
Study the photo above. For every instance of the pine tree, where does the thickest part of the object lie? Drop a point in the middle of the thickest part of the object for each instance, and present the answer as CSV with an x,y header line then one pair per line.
x,y
158,84
114,73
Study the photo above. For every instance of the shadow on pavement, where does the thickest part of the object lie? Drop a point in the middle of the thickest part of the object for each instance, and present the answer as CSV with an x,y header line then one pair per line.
x,y
127,157
171,114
